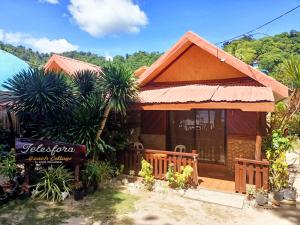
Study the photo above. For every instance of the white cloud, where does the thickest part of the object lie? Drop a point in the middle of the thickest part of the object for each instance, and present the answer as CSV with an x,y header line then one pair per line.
x,y
50,1
104,17
44,45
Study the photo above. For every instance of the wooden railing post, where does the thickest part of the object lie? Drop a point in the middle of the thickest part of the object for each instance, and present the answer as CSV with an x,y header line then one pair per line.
x,y
247,169
195,168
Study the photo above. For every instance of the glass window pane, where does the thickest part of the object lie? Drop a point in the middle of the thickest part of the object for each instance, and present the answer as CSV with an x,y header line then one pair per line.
x,y
182,129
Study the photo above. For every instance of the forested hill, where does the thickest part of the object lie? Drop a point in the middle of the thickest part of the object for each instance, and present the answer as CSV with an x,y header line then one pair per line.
x,y
268,53
36,59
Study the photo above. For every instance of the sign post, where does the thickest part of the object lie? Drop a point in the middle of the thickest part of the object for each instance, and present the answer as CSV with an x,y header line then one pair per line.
x,y
45,152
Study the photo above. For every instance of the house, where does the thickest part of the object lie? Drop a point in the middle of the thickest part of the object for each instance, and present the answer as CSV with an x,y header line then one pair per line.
x,y
214,104
58,63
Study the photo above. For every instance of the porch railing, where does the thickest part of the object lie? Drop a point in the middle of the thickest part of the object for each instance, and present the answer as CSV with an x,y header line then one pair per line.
x,y
160,160
252,172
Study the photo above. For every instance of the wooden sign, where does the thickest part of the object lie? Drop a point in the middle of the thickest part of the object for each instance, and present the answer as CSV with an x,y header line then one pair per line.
x,y
48,152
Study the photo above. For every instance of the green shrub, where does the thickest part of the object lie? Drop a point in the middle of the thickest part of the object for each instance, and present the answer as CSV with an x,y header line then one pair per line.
x,y
182,179
95,172
276,154
54,182
147,174
170,176
8,166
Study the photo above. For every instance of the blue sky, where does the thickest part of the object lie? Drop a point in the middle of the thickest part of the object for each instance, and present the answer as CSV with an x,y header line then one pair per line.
x,y
111,27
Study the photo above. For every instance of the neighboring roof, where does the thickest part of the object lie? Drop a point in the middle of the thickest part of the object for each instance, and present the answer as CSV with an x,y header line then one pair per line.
x,y
197,93
9,66
69,65
280,91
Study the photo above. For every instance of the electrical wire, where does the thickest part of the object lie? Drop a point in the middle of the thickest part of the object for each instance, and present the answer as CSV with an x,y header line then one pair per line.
x,y
263,25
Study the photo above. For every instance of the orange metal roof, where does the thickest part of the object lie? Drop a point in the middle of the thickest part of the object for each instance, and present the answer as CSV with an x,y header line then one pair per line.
x,y
69,65
280,91
197,93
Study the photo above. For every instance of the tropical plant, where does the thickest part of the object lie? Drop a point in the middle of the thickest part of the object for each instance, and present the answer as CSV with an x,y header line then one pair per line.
x,y
91,175
8,166
287,113
53,184
106,170
119,87
170,176
276,154
180,179
146,173
86,82
40,92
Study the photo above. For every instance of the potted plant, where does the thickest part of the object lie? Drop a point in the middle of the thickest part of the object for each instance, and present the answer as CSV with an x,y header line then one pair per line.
x,y
78,191
261,197
250,193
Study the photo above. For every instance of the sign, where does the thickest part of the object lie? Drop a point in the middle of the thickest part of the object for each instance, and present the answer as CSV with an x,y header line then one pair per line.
x,y
48,152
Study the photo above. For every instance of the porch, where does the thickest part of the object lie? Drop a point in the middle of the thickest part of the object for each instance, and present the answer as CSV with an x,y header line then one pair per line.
x,y
247,172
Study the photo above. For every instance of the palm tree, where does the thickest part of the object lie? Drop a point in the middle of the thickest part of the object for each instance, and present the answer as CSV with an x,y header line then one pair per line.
x,y
85,81
119,88
291,69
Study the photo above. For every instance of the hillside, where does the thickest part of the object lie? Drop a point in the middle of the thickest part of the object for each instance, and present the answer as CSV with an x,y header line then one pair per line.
x,y
268,53
36,59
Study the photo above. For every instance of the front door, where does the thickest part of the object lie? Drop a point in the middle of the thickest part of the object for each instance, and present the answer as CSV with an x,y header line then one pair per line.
x,y
202,130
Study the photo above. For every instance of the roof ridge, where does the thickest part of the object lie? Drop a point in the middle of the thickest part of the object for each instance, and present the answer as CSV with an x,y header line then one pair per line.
x,y
77,60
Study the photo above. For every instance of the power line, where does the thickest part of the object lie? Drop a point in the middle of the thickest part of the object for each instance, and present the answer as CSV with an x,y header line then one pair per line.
x,y
263,25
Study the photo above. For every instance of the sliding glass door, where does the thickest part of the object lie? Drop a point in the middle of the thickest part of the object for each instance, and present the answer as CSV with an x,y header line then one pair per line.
x,y
202,130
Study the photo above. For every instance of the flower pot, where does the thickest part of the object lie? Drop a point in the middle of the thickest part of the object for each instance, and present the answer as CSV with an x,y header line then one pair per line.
x,y
290,194
78,195
261,199
278,195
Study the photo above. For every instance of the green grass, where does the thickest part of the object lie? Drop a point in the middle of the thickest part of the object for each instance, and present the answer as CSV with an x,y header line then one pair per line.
x,y
107,204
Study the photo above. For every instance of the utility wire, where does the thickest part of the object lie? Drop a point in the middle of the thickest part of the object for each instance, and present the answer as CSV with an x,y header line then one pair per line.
x,y
263,25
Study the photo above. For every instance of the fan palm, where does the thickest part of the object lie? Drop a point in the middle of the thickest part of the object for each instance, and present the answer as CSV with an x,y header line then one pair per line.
x,y
40,92
119,88
85,82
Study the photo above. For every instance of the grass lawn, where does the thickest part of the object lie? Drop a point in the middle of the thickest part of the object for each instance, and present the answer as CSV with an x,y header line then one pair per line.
x,y
107,204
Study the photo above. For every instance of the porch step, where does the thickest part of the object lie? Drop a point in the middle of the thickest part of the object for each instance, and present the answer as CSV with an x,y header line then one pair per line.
x,y
216,197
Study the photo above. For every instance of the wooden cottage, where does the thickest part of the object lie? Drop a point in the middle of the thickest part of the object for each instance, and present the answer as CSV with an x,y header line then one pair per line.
x,y
212,103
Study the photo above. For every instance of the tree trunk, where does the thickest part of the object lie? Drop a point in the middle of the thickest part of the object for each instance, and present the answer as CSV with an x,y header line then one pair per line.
x,y
101,125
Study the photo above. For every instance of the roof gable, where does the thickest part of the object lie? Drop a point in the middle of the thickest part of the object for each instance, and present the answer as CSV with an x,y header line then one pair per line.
x,y
280,91
196,65
68,65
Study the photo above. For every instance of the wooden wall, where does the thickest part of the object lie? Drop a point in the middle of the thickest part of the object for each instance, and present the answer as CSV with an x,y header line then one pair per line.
x,y
197,65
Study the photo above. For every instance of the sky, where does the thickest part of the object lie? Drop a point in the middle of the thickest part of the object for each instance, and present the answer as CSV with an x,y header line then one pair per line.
x,y
118,27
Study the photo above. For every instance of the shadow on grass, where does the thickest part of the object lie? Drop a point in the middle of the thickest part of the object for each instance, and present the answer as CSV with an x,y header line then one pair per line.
x,y
28,212
105,205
